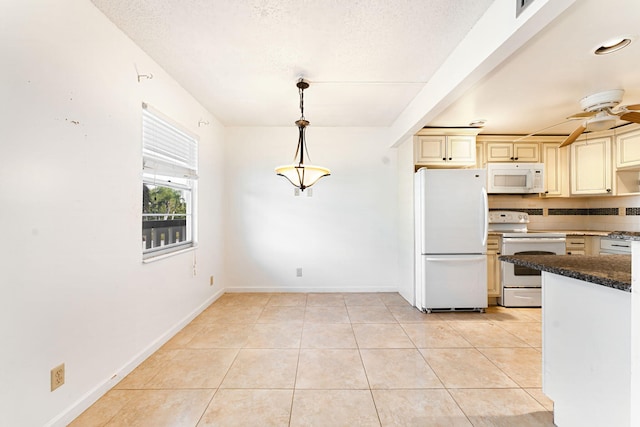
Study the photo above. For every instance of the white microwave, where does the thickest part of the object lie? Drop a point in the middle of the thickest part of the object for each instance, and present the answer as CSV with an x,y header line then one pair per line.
x,y
515,178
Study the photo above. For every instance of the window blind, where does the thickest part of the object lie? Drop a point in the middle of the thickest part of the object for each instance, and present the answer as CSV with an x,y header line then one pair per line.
x,y
166,149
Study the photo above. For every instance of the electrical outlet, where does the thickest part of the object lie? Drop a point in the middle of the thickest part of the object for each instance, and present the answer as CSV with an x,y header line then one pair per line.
x,y
210,280
299,272
57,377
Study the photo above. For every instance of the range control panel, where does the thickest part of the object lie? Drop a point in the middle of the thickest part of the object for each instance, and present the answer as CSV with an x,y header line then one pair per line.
x,y
508,217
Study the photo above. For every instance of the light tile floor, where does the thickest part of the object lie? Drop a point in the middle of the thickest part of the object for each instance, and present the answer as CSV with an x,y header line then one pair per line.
x,y
366,359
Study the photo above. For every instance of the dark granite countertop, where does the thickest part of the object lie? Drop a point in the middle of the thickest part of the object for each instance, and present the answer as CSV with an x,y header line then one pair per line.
x,y
624,235
613,271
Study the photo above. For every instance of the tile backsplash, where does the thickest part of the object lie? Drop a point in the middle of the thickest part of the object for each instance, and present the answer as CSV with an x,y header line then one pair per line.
x,y
606,213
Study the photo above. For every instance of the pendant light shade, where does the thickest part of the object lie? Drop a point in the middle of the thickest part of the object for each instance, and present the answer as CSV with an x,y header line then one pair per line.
x,y
302,175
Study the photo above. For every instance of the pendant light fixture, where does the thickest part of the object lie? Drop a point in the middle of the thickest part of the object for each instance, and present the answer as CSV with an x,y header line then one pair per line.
x,y
299,174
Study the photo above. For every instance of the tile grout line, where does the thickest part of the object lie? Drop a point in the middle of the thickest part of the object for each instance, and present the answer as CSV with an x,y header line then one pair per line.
x,y
295,377
364,368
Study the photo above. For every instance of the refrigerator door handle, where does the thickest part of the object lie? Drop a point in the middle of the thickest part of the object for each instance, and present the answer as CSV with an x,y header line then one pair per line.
x,y
485,210
457,259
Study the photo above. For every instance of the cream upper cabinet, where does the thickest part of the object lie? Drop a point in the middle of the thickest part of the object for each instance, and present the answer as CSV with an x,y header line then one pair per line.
x,y
501,148
513,152
627,174
444,150
556,179
430,149
591,166
628,149
461,149
526,152
480,161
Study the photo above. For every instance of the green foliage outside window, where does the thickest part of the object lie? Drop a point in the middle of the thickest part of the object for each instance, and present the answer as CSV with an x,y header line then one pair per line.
x,y
164,201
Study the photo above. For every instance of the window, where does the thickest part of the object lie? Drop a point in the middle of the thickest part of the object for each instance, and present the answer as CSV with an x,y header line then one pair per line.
x,y
169,185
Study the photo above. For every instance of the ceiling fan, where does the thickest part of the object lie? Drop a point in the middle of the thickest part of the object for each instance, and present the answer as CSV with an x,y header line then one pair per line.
x,y
599,114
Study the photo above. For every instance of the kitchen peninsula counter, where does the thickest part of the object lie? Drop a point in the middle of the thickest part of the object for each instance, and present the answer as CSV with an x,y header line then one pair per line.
x,y
587,337
613,271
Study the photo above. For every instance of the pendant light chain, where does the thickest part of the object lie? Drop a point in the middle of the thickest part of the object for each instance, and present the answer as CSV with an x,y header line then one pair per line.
x,y
301,91
301,141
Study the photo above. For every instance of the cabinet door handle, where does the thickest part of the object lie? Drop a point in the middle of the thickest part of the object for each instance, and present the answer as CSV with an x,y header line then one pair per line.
x,y
512,158
516,158
608,190
450,158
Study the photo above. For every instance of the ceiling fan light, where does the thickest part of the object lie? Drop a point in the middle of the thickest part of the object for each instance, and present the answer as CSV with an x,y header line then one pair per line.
x,y
612,46
600,123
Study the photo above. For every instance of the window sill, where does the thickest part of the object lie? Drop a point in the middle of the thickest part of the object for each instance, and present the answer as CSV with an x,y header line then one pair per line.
x,y
159,257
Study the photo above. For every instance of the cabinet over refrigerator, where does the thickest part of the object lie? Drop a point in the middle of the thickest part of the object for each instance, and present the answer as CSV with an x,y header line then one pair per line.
x,y
451,223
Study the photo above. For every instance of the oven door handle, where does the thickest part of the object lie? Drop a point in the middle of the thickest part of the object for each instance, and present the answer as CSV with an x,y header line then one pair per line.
x,y
506,240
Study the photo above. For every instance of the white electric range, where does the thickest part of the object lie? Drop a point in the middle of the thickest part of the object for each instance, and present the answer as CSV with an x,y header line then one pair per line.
x,y
522,286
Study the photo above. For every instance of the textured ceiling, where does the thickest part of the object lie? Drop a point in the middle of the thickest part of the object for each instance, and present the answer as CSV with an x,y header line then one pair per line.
x,y
365,59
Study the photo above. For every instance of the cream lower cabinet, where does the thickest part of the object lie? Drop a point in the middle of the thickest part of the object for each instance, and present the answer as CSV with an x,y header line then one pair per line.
x,y
591,166
583,245
493,266
576,245
592,245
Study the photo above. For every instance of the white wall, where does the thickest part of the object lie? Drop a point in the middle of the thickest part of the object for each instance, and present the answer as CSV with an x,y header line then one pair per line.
x,y
73,285
343,237
406,221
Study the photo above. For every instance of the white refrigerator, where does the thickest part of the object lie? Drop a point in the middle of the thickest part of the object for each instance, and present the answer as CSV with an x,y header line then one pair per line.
x,y
451,222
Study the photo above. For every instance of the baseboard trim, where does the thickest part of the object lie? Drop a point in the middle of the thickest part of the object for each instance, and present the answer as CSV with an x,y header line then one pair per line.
x,y
81,405
312,289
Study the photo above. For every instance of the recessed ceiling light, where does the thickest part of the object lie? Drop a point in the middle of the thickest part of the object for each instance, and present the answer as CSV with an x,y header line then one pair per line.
x,y
478,123
612,46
